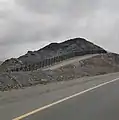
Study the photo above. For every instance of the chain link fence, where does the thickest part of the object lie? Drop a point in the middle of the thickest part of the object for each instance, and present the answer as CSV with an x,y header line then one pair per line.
x,y
54,60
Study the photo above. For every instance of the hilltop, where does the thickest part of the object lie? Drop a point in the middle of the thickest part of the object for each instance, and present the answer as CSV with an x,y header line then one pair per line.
x,y
52,53
59,49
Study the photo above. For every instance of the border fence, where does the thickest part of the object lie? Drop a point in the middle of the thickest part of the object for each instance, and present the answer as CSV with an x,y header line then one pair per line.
x,y
54,60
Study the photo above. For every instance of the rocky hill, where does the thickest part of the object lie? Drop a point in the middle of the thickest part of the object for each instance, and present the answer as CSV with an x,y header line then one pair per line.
x,y
52,53
24,71
59,49
97,65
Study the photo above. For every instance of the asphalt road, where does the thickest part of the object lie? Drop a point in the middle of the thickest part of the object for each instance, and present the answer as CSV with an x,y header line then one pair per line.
x,y
98,104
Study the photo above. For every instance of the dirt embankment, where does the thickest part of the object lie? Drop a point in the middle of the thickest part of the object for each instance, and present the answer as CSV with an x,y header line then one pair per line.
x,y
97,65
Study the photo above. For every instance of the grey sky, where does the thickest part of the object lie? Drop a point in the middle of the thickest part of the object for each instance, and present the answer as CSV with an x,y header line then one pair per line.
x,y
31,24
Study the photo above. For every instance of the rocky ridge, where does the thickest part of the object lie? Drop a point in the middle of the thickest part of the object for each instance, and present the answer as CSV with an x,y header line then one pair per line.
x,y
102,63
50,54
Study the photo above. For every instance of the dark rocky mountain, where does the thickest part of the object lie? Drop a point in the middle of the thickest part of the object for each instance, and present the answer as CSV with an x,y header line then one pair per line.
x,y
53,50
23,76
59,49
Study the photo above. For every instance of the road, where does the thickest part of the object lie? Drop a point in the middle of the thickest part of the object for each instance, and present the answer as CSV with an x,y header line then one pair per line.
x,y
99,103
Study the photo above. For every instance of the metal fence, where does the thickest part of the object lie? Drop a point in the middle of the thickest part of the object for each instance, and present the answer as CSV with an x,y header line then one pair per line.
x,y
54,60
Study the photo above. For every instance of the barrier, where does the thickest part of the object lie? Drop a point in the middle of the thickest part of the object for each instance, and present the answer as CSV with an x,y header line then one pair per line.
x,y
54,60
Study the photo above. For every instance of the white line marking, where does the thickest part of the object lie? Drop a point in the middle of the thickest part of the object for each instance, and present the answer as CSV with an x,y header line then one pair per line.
x,y
62,100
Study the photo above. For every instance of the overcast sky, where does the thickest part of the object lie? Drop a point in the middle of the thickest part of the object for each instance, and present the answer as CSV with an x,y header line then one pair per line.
x,y
31,24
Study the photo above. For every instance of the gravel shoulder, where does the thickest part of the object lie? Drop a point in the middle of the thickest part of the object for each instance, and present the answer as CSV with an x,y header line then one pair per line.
x,y
13,96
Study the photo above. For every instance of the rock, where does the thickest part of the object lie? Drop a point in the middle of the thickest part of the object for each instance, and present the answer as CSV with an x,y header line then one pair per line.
x,y
29,61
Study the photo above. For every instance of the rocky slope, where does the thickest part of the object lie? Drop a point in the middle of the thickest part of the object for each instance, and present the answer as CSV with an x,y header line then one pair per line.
x,y
50,54
97,65
59,49
101,63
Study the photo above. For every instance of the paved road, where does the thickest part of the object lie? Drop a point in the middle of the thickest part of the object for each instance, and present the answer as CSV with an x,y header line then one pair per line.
x,y
91,104
100,104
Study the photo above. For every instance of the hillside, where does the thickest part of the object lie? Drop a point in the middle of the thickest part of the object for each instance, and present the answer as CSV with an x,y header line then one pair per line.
x,y
64,61
59,49
96,65
91,66
50,54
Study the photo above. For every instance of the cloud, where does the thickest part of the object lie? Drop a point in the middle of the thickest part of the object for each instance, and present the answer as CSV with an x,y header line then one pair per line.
x,y
31,24
60,6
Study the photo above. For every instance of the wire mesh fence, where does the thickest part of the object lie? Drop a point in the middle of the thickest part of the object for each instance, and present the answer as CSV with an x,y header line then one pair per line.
x,y
54,60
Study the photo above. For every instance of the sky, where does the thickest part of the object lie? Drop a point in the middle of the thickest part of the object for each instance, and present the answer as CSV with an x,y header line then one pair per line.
x,y
31,24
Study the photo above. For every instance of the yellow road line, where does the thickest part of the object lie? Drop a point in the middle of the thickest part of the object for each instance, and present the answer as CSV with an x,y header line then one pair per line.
x,y
62,100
